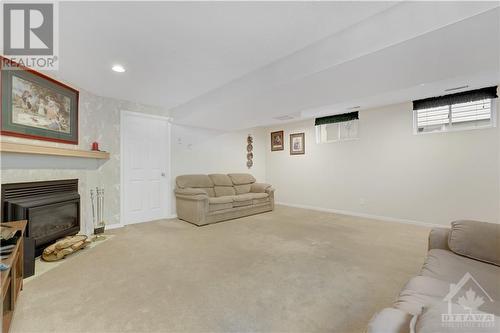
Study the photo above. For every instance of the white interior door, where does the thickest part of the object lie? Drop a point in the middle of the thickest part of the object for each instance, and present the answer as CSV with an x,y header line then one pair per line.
x,y
145,167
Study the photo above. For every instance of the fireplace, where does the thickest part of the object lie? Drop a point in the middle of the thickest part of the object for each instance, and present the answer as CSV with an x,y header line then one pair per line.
x,y
52,209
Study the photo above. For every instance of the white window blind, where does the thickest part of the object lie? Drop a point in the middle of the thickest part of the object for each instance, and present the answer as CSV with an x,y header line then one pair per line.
x,y
336,132
433,116
468,115
472,111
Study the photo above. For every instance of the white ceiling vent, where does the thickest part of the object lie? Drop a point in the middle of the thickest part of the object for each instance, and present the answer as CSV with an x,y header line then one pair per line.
x,y
456,88
283,118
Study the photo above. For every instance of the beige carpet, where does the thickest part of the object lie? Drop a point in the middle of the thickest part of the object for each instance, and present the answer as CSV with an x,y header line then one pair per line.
x,y
291,270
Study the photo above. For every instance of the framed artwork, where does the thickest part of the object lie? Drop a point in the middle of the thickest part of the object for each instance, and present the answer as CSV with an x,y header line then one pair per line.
x,y
36,106
297,144
277,142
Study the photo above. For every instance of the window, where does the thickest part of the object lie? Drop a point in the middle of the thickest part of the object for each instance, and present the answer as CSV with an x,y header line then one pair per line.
x,y
464,110
476,114
343,131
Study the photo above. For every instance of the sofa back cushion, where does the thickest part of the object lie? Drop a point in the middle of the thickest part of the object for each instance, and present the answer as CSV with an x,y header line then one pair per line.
x,y
196,181
241,178
476,240
221,191
242,189
220,179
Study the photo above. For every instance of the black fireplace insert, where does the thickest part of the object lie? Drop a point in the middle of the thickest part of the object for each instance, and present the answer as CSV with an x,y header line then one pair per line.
x,y
52,209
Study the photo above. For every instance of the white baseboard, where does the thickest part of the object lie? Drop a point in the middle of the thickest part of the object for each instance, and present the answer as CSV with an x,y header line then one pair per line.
x,y
120,225
365,215
114,226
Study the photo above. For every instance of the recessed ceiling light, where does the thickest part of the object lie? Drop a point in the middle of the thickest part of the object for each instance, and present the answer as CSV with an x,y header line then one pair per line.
x,y
118,68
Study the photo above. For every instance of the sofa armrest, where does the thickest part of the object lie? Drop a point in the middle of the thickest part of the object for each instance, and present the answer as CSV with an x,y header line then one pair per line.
x,y
191,207
438,239
259,187
390,320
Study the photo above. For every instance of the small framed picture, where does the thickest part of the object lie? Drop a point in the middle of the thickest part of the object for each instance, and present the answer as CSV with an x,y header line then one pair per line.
x,y
297,144
277,142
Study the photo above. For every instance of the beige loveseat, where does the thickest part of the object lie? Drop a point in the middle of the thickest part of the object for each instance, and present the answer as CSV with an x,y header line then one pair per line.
x,y
463,258
205,199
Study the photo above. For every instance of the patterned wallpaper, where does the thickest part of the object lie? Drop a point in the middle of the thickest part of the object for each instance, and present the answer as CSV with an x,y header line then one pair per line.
x,y
99,121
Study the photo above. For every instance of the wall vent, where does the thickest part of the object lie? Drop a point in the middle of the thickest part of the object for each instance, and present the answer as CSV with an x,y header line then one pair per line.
x,y
283,118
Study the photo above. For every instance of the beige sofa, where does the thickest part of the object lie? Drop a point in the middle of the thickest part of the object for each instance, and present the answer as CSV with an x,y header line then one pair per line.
x,y
467,256
205,199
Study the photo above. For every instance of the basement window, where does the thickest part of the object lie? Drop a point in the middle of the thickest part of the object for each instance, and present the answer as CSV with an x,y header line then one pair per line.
x,y
342,127
462,111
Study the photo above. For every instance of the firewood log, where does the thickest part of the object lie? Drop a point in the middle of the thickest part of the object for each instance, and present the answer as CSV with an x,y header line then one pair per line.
x,y
70,241
49,249
64,247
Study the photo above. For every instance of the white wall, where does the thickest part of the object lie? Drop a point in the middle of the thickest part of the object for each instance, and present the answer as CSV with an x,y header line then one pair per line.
x,y
391,172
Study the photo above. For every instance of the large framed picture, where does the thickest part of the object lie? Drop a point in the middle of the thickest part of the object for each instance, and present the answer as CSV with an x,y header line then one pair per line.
x,y
297,144
36,106
277,142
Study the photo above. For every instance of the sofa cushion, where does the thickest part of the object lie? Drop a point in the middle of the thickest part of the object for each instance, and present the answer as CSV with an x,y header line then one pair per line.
x,y
195,181
220,203
249,196
242,203
261,200
476,240
241,178
242,189
220,179
450,267
242,200
248,199
220,200
258,198
221,191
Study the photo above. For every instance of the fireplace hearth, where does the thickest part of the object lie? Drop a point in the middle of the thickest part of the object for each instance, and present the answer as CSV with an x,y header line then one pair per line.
x,y
52,209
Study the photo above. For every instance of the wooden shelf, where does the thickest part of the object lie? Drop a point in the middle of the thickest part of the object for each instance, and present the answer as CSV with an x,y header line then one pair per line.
x,y
12,278
21,148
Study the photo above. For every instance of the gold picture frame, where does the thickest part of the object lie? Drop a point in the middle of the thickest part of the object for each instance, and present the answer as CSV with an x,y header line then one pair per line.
x,y
297,144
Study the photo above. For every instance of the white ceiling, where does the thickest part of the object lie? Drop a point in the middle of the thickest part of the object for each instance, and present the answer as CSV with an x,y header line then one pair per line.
x,y
174,51
231,65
